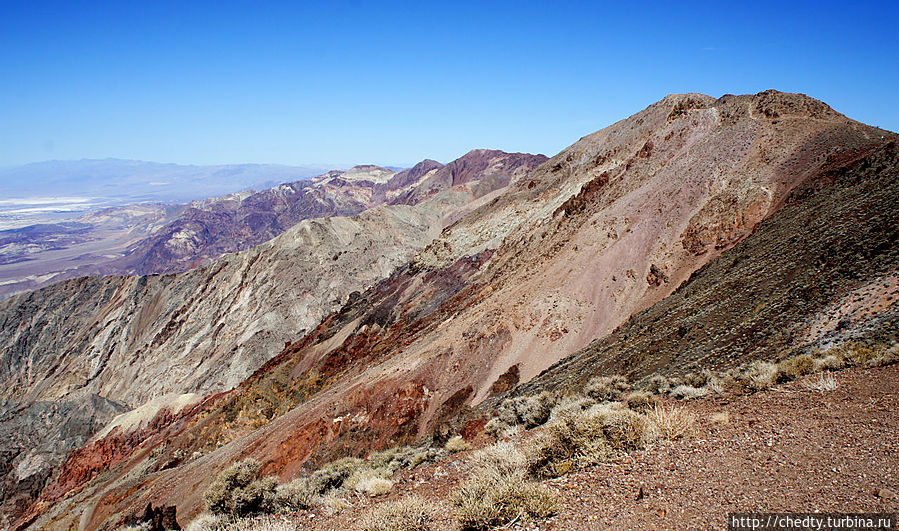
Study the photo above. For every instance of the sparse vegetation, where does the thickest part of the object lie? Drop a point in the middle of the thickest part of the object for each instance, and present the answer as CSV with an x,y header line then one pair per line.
x,y
457,444
411,513
688,392
491,500
823,382
236,491
607,388
671,423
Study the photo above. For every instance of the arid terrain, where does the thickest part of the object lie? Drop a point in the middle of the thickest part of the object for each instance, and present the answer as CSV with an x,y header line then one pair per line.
x,y
689,312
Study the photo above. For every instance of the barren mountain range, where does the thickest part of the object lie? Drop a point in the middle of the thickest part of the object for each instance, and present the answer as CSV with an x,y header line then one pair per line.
x,y
156,238
700,232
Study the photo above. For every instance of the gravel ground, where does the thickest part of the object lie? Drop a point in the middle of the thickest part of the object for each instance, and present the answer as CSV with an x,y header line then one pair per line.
x,y
787,449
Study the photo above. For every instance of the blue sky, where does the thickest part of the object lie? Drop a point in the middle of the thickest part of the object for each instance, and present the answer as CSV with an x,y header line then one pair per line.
x,y
395,82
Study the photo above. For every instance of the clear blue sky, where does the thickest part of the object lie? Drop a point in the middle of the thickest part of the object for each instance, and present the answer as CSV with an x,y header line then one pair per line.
x,y
396,82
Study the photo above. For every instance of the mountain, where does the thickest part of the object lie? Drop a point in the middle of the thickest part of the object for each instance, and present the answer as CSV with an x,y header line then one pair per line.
x,y
698,231
156,238
137,339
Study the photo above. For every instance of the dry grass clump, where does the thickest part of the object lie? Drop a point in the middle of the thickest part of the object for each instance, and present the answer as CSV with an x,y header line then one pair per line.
x,y
760,375
887,357
207,522
607,388
236,491
500,459
572,404
796,367
332,475
823,382
411,513
457,444
584,439
490,500
688,392
371,481
671,423
641,401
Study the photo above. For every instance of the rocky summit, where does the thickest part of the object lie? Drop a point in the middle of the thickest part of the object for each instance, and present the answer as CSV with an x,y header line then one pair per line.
x,y
703,245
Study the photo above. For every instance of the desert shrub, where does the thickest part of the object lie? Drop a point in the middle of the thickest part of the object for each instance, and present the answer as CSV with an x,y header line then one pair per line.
x,y
671,423
887,357
500,459
528,411
332,504
796,367
260,523
583,439
641,400
696,379
395,459
607,388
830,362
371,481
688,392
572,404
411,513
456,444
657,384
294,496
332,475
489,501
760,375
237,491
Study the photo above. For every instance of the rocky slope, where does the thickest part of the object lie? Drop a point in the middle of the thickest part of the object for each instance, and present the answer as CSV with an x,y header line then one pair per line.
x,y
152,239
135,339
606,229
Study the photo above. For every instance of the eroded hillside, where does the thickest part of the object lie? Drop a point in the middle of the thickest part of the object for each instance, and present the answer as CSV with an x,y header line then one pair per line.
x,y
606,229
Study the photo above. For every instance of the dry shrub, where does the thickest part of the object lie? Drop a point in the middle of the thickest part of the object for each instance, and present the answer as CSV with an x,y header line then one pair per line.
x,y
796,367
371,481
394,459
457,444
501,459
261,523
572,404
658,384
295,496
830,362
760,375
584,439
207,522
236,491
641,401
528,411
671,423
888,357
332,475
490,500
688,392
607,388
411,513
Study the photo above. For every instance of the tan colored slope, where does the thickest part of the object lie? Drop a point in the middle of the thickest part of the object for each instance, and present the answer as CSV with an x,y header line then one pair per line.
x,y
136,338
